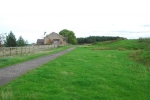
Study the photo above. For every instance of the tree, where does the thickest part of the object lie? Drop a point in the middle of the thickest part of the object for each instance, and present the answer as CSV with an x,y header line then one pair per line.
x,y
26,42
2,37
0,41
10,40
21,42
69,35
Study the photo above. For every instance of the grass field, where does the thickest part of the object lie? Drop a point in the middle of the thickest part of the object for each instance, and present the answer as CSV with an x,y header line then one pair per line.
x,y
10,60
83,74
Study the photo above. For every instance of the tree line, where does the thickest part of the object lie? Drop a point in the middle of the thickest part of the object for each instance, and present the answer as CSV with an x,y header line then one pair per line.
x,y
71,38
93,39
11,41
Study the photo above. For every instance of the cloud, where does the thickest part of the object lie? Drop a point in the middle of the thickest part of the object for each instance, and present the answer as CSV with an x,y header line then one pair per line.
x,y
146,25
131,34
31,19
132,31
97,31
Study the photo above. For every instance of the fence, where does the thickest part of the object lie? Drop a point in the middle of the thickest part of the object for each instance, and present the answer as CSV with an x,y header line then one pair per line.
x,y
11,51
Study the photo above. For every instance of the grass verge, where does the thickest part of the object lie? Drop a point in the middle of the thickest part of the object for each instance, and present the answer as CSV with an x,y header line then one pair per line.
x,y
7,61
83,74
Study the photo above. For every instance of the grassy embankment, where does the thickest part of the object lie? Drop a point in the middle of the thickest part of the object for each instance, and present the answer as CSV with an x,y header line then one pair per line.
x,y
140,49
86,73
7,61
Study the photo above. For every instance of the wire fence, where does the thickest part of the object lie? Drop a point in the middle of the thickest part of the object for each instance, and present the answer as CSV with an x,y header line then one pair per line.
x,y
12,51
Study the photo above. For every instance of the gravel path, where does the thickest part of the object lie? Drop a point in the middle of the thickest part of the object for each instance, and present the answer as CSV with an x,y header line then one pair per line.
x,y
9,73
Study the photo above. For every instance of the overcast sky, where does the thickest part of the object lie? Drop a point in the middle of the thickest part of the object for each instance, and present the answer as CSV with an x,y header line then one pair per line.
x,y
31,18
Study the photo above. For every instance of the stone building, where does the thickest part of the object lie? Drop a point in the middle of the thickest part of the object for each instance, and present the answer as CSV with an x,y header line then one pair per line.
x,y
54,38
40,41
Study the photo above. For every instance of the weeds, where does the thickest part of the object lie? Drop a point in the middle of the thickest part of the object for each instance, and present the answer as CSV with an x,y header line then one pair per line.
x,y
4,59
101,48
146,40
140,48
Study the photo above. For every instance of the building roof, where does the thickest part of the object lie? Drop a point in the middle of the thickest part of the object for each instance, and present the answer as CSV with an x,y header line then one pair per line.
x,y
57,34
41,41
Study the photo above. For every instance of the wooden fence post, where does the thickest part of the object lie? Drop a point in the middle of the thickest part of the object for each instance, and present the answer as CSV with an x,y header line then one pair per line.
x,y
33,49
16,51
10,51
21,50
3,51
29,49
25,49
38,47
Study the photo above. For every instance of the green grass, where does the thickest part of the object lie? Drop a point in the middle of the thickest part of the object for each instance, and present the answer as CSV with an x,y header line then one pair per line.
x,y
83,74
140,49
124,44
7,61
141,56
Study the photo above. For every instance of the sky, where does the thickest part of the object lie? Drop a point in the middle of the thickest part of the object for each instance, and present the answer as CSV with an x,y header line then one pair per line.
x,y
31,18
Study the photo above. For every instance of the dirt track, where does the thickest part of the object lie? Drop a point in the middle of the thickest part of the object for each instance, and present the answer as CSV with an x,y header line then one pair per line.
x,y
11,72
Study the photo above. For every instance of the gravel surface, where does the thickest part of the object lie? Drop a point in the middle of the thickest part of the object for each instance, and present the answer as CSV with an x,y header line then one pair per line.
x,y
9,73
